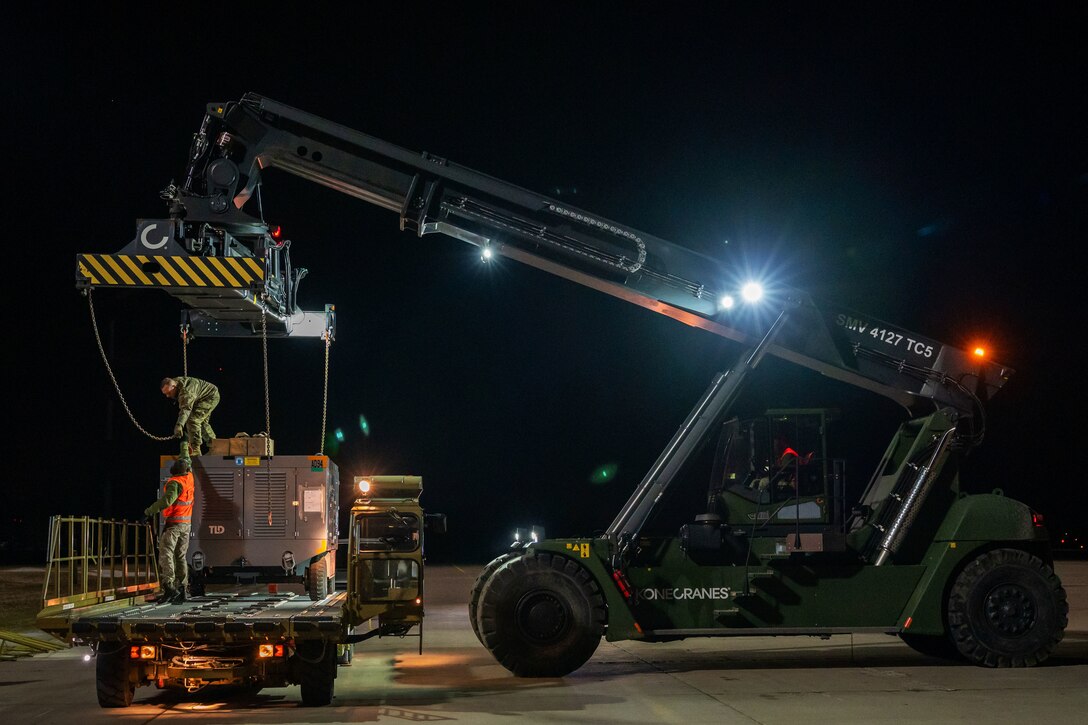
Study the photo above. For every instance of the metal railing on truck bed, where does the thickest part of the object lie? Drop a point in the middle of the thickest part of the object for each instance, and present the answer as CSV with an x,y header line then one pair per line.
x,y
93,562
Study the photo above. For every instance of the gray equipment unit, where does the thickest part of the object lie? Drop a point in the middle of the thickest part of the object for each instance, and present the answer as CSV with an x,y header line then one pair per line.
x,y
261,519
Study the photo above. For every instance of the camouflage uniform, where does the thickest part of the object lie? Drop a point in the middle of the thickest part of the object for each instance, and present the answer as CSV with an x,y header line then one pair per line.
x,y
196,400
173,546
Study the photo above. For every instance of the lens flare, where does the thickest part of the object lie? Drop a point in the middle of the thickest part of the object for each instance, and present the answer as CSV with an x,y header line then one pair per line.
x,y
604,473
752,292
332,445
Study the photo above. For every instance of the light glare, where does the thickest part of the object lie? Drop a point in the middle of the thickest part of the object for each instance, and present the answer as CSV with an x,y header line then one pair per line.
x,y
726,302
752,292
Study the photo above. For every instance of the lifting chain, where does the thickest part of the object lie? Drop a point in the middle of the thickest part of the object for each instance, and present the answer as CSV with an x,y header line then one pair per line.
x,y
267,410
264,355
325,394
105,360
185,350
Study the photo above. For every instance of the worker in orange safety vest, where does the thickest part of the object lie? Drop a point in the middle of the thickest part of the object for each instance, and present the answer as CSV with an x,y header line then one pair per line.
x,y
176,504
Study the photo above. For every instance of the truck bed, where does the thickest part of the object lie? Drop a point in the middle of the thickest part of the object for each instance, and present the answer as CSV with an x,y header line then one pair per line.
x,y
230,616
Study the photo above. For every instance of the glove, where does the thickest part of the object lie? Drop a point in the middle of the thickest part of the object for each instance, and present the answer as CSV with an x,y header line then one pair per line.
x,y
178,431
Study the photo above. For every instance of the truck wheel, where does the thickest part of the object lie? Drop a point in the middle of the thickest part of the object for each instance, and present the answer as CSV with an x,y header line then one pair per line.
x,y
932,645
115,688
477,587
316,672
541,615
1007,609
317,579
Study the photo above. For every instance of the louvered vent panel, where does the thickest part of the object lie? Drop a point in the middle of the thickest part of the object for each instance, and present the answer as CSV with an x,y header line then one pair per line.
x,y
269,504
217,496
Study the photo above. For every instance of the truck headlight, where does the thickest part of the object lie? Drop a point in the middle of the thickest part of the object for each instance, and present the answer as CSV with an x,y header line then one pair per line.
x,y
524,537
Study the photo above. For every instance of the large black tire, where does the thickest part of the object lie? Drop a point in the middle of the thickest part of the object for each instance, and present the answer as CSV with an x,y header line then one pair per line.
x,y
112,680
541,615
478,585
316,672
932,645
1007,609
317,579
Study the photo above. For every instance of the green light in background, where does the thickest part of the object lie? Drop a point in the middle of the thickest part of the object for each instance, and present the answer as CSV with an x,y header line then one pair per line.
x,y
604,474
364,425
339,435
332,444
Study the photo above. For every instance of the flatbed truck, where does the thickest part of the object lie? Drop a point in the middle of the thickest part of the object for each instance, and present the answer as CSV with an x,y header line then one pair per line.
x,y
102,574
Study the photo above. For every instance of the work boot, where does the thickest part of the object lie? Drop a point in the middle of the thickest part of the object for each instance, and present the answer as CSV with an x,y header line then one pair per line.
x,y
178,597
165,595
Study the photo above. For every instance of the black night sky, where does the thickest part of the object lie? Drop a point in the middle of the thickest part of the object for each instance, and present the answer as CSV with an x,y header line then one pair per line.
x,y
924,165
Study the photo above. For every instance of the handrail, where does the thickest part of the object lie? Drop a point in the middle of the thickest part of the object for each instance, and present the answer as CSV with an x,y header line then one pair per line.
x,y
97,560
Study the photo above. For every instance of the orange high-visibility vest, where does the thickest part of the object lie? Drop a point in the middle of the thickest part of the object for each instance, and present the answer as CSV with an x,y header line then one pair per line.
x,y
181,511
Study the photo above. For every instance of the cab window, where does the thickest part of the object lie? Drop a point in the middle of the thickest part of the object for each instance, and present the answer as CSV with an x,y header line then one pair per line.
x,y
387,531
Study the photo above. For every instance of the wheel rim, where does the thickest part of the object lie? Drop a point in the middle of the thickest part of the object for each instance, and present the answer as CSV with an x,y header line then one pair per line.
x,y
542,616
1010,609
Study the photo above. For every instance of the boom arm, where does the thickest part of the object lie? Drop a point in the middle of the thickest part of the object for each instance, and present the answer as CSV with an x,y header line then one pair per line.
x,y
239,140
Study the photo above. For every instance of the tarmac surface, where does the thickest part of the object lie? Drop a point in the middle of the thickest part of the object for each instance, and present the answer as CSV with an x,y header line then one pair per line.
x,y
846,679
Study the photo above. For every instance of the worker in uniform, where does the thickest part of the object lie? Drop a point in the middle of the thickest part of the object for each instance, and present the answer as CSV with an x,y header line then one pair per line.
x,y
196,400
176,504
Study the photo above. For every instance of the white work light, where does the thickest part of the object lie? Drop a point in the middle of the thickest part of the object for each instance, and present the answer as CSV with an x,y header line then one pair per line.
x,y
752,292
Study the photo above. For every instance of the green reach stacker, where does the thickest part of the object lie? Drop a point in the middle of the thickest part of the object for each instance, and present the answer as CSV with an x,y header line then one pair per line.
x,y
776,549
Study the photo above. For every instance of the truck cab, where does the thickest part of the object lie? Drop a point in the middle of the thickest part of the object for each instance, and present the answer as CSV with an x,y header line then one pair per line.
x,y
386,557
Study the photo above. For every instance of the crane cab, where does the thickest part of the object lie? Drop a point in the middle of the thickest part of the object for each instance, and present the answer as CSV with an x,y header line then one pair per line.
x,y
774,479
775,471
